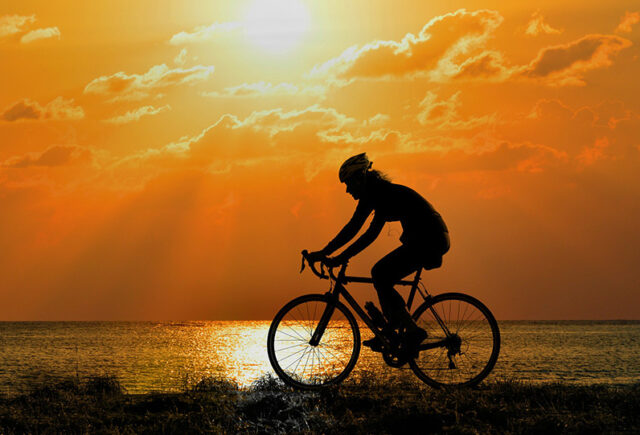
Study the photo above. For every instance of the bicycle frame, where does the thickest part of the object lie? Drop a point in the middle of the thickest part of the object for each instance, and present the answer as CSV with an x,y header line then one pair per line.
x,y
340,290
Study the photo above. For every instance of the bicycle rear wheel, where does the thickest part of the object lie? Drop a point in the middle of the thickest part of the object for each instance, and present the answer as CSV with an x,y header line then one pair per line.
x,y
470,350
302,365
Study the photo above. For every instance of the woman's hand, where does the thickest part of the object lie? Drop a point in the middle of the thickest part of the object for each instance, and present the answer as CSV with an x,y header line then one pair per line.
x,y
315,256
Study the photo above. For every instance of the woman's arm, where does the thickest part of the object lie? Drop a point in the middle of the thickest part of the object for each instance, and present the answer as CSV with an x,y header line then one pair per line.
x,y
364,240
363,210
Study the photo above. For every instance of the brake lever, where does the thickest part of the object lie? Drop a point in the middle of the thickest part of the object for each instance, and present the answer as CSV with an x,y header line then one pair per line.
x,y
305,254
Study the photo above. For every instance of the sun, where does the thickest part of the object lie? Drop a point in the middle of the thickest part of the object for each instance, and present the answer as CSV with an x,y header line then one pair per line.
x,y
276,26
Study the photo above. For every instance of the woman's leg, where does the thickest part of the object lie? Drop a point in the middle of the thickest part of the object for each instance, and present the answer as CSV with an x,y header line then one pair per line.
x,y
387,272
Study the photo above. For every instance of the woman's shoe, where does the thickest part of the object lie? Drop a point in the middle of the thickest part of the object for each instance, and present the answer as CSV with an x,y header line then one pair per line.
x,y
411,340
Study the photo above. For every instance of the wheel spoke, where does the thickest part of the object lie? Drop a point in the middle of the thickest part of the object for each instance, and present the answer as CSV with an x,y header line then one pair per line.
x,y
298,361
288,347
334,355
293,354
294,331
298,338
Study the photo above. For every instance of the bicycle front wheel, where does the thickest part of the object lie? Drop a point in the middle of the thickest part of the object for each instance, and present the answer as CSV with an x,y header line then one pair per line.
x,y
299,363
467,339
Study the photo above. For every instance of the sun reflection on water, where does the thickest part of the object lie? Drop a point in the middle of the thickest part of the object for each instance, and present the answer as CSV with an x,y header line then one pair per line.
x,y
242,353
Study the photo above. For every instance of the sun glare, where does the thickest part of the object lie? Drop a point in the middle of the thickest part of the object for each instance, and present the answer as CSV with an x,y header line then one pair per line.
x,y
276,25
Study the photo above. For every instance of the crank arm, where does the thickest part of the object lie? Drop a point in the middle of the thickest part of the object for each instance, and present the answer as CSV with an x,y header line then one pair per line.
x,y
433,345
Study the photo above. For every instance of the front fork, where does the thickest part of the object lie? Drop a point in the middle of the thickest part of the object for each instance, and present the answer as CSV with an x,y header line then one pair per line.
x,y
324,319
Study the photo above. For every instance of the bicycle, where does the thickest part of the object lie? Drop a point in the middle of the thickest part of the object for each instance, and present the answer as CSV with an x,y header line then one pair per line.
x,y
314,340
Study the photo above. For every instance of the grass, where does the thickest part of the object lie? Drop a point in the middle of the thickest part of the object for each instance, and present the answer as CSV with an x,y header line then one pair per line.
x,y
363,404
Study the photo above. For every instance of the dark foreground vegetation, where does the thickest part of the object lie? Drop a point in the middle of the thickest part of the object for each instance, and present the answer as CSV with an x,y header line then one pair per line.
x,y
361,405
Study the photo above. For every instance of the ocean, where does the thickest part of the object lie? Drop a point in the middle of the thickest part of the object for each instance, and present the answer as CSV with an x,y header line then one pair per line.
x,y
170,356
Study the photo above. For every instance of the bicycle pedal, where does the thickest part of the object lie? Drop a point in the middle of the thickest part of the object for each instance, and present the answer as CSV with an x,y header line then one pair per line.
x,y
374,344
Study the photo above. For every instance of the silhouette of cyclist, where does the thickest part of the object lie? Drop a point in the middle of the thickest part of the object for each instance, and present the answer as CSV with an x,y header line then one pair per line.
x,y
425,239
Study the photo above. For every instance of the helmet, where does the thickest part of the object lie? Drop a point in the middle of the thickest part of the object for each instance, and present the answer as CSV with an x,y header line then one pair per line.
x,y
353,165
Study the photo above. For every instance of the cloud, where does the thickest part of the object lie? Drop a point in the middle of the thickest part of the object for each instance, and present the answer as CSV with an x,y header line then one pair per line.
x,y
34,35
627,22
12,24
452,46
542,139
434,50
277,120
564,65
443,114
133,96
552,109
537,26
264,134
139,85
488,65
541,158
181,58
611,114
441,155
203,33
551,137
264,89
58,109
377,120
24,109
16,26
58,155
574,131
63,109
590,155
135,115
315,136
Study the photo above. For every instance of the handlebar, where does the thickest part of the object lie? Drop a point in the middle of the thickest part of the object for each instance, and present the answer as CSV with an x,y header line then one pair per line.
x,y
322,274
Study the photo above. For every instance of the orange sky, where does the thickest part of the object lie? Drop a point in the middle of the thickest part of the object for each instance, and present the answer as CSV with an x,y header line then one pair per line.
x,y
170,160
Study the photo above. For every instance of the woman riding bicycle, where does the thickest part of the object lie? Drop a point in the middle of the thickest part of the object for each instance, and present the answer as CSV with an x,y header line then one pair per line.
x,y
425,239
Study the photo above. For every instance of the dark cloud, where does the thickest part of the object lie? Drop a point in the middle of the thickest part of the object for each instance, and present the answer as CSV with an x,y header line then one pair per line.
x,y
57,109
24,109
57,155
566,64
487,65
